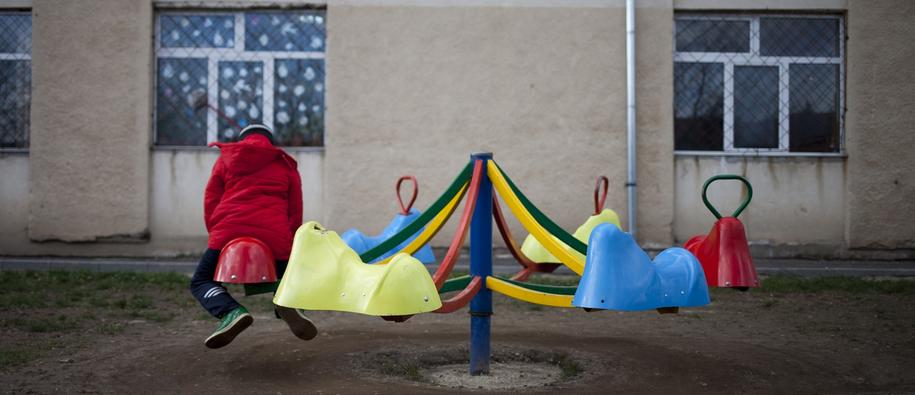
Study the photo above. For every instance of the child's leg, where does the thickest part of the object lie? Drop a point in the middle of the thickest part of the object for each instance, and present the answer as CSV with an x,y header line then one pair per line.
x,y
298,322
211,295
281,268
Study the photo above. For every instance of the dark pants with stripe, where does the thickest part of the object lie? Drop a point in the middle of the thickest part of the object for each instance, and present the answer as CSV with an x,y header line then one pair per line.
x,y
211,294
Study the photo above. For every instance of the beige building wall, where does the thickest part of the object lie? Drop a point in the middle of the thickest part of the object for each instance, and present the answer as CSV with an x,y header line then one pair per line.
x,y
880,126
415,90
414,87
178,179
89,138
14,200
797,201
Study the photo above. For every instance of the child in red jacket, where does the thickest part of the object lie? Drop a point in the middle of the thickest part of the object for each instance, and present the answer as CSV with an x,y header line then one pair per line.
x,y
255,190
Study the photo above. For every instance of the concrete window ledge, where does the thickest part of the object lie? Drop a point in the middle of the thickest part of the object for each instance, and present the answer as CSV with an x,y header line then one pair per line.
x,y
764,154
204,148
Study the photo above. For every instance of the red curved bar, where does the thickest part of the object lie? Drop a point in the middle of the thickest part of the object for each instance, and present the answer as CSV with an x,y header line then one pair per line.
x,y
461,299
454,250
522,275
530,266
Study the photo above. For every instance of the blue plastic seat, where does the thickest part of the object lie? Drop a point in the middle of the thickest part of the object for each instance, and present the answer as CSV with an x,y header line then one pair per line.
x,y
361,243
619,275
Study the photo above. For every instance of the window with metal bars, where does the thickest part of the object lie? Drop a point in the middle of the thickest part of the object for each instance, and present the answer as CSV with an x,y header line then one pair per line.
x,y
15,78
759,84
219,71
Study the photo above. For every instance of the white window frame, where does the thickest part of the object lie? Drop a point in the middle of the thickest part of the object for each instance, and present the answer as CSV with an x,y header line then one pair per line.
x,y
234,54
753,58
19,56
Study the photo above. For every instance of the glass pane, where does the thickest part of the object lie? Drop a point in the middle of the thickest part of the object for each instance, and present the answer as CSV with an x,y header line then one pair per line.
x,y
15,96
16,33
755,107
707,35
241,96
288,31
698,106
814,123
299,102
196,31
181,102
799,37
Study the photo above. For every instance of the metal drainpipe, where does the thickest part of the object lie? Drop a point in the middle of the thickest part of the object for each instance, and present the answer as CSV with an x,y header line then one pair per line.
x,y
630,116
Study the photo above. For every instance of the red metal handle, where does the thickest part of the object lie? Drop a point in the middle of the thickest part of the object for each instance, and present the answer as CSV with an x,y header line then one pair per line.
x,y
406,209
599,202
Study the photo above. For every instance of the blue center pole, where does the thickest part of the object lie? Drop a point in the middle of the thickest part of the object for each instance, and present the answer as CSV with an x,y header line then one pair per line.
x,y
481,265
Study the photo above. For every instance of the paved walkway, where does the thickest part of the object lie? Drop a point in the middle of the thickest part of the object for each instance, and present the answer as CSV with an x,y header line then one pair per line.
x,y
502,264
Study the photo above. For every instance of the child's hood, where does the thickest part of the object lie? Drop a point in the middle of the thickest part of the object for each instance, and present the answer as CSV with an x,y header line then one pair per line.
x,y
251,154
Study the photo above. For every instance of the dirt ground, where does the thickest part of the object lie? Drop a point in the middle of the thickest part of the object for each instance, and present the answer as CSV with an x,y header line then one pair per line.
x,y
758,342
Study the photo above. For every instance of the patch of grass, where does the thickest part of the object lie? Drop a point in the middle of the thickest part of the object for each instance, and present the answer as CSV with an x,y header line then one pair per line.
x,y
34,289
40,308
570,368
409,370
111,328
139,302
152,315
61,323
844,284
16,354
21,300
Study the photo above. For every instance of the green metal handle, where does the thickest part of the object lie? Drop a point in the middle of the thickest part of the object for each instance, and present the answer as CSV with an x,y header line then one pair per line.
x,y
743,204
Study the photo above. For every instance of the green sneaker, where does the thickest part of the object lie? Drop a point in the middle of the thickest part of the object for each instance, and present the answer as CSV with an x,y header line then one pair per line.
x,y
230,326
299,324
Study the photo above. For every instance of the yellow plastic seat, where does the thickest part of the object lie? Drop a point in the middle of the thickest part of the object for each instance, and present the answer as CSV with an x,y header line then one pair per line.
x,y
537,253
325,274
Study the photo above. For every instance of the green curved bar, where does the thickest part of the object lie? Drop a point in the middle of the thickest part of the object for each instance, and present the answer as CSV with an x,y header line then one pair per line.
x,y
455,284
743,204
550,289
423,219
545,221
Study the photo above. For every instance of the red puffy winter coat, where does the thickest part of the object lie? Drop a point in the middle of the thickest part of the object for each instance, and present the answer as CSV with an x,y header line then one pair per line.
x,y
255,191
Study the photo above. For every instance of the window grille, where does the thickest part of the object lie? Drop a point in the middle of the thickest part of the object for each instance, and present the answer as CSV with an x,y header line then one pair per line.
x,y
219,71
757,84
15,78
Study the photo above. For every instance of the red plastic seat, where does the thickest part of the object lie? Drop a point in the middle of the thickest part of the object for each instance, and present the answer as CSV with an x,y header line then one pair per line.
x,y
725,255
246,260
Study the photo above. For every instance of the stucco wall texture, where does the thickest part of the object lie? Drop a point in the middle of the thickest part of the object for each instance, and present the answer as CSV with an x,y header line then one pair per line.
x,y
414,88
541,88
880,125
177,182
797,201
89,149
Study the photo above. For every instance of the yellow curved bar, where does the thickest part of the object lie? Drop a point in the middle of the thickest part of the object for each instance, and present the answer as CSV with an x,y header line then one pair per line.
x,y
432,228
527,295
552,245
